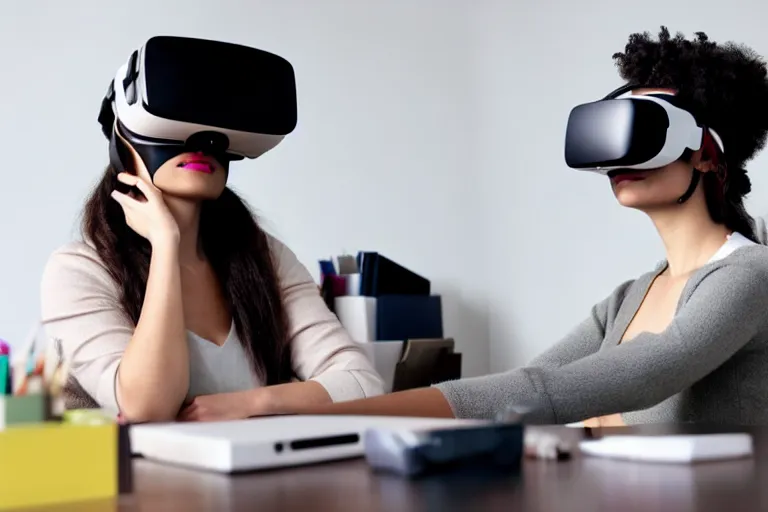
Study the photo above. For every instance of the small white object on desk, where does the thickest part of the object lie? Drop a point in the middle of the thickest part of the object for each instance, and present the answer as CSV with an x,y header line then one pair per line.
x,y
674,448
270,442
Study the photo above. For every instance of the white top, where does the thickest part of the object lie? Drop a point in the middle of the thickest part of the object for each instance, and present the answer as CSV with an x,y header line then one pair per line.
x,y
734,241
218,369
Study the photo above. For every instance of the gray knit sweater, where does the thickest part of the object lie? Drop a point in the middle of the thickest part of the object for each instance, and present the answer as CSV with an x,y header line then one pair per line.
x,y
709,366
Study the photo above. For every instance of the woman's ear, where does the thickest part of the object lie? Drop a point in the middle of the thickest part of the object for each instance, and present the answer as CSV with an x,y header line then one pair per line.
x,y
701,162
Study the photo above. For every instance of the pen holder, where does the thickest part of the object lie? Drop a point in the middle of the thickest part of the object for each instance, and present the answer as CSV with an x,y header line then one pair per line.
x,y
57,463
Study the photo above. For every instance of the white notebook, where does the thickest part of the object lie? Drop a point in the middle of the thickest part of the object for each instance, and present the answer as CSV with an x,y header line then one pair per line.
x,y
262,443
675,448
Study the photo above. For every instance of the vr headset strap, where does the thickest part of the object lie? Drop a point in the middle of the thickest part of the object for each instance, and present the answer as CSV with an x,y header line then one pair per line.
x,y
115,153
691,188
696,173
109,128
619,91
106,114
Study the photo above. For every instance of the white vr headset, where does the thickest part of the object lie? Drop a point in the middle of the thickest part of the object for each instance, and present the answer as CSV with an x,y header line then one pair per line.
x,y
631,132
178,94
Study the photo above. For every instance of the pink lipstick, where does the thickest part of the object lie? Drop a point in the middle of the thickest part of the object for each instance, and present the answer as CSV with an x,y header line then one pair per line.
x,y
198,164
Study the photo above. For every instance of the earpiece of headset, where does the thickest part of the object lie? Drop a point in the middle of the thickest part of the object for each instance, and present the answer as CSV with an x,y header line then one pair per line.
x,y
721,172
118,156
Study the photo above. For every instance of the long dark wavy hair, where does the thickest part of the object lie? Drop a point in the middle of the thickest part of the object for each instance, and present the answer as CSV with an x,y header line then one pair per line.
x,y
237,249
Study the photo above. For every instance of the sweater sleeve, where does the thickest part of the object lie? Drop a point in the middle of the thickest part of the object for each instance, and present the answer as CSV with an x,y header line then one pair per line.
x,y
80,307
586,338
723,313
322,349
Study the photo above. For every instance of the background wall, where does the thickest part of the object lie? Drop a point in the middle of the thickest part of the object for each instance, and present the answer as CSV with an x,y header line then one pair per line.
x,y
429,130
556,241
380,160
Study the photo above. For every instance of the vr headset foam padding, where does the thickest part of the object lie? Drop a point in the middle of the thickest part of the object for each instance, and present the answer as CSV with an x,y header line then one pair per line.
x,y
179,94
631,132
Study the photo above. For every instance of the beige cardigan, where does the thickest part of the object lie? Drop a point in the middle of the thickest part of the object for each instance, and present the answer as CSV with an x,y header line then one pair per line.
x,y
80,308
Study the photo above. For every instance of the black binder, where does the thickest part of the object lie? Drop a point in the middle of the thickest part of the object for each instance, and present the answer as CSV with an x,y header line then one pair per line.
x,y
382,276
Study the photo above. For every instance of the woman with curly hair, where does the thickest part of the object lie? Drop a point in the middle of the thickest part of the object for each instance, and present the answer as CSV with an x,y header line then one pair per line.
x,y
687,341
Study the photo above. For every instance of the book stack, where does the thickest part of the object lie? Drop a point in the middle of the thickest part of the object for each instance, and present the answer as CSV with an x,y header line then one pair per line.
x,y
378,300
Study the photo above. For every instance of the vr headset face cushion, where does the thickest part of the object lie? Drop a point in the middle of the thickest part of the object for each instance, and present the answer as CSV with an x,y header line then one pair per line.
x,y
179,95
155,155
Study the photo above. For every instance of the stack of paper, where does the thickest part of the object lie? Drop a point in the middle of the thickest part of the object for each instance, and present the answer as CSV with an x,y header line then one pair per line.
x,y
676,448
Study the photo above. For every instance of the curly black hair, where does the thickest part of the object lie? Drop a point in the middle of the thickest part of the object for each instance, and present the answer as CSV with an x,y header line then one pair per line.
x,y
724,86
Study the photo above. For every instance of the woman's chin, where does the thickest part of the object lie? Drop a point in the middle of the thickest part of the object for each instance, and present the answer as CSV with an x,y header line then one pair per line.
x,y
192,193
644,204
628,199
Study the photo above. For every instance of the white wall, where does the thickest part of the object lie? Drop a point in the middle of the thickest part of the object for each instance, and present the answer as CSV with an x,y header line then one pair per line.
x,y
429,130
380,159
557,242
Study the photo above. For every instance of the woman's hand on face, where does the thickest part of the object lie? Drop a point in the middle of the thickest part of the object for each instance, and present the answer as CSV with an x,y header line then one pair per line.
x,y
148,216
225,406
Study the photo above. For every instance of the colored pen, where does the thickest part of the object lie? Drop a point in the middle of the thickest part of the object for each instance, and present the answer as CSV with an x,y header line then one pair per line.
x,y
4,374
6,379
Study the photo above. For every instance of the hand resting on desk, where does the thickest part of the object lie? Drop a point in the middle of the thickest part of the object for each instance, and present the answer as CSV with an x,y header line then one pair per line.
x,y
264,401
221,406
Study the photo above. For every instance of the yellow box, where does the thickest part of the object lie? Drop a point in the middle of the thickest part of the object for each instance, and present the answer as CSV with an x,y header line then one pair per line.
x,y
56,463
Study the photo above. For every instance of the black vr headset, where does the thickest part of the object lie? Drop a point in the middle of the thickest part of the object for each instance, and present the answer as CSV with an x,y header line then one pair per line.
x,y
179,94
624,132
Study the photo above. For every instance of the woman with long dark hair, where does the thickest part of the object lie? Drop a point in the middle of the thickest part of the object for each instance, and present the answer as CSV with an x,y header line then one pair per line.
x,y
176,304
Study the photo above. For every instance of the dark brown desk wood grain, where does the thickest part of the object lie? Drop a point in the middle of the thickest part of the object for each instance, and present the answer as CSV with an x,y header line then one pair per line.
x,y
583,484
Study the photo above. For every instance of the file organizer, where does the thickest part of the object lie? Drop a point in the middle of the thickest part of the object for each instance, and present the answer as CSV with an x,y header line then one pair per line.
x,y
409,317
391,317
391,302
382,276
378,300
425,363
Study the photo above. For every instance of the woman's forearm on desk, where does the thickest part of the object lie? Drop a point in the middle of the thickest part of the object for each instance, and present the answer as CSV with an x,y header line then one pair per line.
x,y
312,398
423,403
263,401
153,377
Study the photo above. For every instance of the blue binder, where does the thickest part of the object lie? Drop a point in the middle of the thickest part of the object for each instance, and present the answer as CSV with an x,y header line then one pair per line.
x,y
404,317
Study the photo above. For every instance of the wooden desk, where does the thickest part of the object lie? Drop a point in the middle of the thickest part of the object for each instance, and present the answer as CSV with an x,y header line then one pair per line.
x,y
582,484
